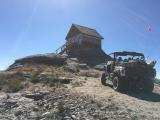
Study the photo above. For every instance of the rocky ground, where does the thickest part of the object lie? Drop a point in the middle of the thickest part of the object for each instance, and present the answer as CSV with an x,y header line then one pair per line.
x,y
60,104
86,101
133,105
31,91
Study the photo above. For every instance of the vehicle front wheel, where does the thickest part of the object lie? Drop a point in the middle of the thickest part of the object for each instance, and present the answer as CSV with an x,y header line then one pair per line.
x,y
103,79
117,84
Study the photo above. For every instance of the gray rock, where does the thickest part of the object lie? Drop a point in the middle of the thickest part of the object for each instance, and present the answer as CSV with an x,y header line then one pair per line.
x,y
35,108
83,66
3,96
83,72
95,114
45,114
33,115
17,113
100,66
56,104
72,68
44,92
67,118
73,116
35,96
72,60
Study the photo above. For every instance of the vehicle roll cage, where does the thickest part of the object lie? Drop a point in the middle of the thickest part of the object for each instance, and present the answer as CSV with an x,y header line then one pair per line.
x,y
125,53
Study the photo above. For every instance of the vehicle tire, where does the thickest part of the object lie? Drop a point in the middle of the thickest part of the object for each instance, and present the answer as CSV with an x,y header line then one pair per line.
x,y
148,86
103,79
118,84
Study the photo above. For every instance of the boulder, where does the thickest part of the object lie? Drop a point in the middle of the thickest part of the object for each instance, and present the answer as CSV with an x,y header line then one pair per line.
x,y
72,68
89,73
83,66
35,96
100,66
83,73
3,96
72,60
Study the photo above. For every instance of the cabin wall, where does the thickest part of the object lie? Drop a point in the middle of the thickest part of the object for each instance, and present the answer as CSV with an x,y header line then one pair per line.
x,y
91,42
85,41
77,39
83,45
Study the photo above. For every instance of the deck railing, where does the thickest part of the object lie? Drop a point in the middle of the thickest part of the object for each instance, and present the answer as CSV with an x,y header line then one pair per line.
x,y
63,48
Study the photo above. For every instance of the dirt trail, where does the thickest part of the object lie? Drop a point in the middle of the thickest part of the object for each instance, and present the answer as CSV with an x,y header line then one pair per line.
x,y
137,104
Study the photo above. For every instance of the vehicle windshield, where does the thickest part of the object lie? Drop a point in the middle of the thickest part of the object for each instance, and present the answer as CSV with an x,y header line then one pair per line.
x,y
129,57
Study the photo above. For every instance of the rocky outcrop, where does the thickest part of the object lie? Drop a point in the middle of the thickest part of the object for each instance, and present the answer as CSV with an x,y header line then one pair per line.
x,y
51,59
47,59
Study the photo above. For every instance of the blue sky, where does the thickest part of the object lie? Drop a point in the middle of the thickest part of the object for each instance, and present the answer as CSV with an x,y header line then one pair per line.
x,y
40,26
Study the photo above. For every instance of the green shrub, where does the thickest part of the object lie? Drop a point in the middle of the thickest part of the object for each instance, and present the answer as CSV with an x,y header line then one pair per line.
x,y
2,83
61,108
10,82
51,80
35,78
14,85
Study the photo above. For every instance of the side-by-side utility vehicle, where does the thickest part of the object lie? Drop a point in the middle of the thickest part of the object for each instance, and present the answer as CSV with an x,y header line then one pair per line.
x,y
129,70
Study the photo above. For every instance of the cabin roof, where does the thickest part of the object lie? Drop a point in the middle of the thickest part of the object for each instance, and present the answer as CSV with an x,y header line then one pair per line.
x,y
84,30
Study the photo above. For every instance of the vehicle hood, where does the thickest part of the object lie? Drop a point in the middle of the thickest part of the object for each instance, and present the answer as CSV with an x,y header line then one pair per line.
x,y
134,63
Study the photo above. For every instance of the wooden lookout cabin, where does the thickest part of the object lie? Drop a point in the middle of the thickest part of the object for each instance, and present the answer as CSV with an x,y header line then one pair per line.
x,y
84,43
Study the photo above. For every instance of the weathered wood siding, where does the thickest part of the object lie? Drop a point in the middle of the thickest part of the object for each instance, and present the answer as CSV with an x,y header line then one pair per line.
x,y
83,45
91,42
75,40
85,41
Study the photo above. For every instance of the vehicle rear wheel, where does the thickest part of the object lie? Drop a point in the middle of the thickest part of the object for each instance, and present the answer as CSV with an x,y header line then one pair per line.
x,y
103,79
148,86
117,84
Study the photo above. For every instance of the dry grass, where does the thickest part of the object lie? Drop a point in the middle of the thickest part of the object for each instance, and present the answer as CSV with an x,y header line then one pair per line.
x,y
10,82
77,83
51,76
15,85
